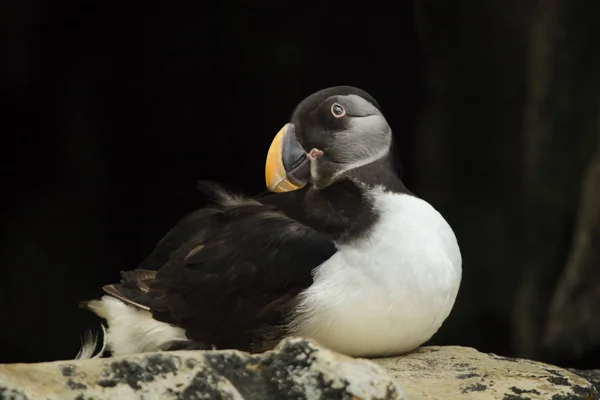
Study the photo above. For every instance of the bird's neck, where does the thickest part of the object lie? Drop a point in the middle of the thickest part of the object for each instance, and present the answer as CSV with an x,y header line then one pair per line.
x,y
345,210
380,172
342,211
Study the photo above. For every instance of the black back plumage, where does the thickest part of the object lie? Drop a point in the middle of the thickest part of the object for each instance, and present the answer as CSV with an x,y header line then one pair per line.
x,y
236,255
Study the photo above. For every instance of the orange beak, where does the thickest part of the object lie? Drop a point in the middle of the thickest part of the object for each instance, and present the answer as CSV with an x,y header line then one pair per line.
x,y
288,166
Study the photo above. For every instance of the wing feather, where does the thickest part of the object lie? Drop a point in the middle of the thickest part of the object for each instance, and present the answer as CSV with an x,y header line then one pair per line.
x,y
233,282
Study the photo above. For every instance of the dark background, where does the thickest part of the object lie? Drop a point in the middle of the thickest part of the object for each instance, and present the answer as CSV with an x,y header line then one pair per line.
x,y
112,114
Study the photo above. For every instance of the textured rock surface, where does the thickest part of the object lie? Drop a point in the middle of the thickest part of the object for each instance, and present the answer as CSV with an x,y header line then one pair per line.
x,y
592,375
573,325
296,369
453,372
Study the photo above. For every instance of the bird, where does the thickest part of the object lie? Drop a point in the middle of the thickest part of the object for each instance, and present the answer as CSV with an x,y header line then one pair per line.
x,y
338,251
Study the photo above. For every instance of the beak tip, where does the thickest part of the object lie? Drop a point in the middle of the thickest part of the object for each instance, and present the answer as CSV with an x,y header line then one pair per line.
x,y
276,175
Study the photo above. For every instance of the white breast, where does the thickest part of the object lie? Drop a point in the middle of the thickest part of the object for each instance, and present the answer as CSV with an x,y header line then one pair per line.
x,y
389,293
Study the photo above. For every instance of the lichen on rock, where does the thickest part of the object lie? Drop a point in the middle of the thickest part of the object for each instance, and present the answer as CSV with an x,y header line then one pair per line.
x,y
451,372
296,369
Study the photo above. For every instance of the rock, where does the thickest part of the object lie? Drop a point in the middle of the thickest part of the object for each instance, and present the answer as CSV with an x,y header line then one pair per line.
x,y
573,326
592,375
296,369
453,372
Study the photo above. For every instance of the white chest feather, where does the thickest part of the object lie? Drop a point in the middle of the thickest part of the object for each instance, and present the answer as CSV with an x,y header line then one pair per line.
x,y
389,293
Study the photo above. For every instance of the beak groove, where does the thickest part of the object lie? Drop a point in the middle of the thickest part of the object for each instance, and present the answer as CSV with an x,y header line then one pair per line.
x,y
287,166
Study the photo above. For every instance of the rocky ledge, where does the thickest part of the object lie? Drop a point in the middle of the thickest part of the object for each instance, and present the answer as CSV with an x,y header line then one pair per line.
x,y
453,372
296,369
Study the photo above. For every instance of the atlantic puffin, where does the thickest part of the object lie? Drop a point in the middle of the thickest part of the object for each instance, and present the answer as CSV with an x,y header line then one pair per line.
x,y
340,252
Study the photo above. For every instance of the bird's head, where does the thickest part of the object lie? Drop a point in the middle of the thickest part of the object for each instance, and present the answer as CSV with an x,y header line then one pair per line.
x,y
331,132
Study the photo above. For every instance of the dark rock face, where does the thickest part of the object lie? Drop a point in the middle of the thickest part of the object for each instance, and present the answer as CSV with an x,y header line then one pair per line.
x,y
512,93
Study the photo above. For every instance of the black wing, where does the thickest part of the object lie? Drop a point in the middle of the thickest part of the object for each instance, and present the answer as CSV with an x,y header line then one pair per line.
x,y
235,281
185,229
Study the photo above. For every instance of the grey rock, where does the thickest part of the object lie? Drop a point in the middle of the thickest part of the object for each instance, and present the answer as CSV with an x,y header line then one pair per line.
x,y
592,375
296,369
453,372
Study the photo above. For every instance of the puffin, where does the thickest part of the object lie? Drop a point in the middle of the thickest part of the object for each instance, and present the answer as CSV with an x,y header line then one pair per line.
x,y
338,251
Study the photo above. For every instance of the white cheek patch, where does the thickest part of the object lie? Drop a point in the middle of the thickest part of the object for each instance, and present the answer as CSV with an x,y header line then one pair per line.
x,y
369,139
366,137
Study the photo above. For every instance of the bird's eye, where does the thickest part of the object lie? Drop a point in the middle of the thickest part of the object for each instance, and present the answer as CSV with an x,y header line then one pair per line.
x,y
337,110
